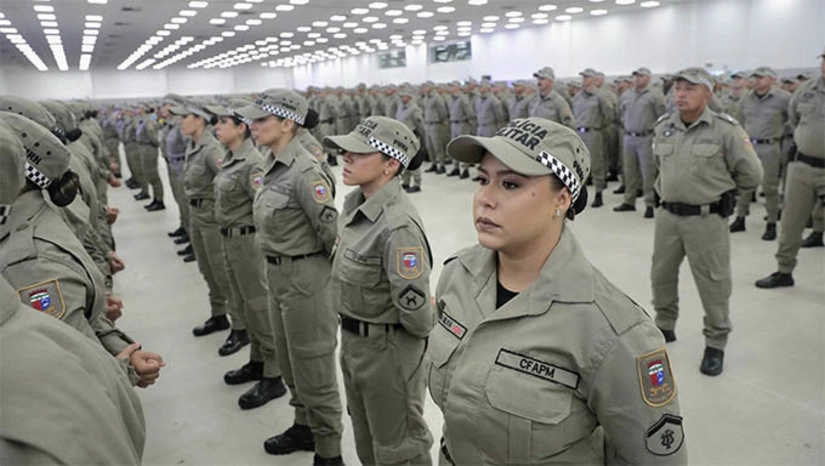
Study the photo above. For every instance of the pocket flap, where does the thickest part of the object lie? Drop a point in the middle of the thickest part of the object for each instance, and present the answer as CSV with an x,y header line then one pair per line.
x,y
527,396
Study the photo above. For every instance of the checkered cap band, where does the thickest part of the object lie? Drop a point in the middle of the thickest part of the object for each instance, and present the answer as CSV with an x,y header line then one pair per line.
x,y
562,172
198,111
389,150
5,213
235,114
283,113
37,177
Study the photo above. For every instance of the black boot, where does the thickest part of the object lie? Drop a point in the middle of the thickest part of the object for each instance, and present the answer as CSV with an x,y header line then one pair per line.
x,y
814,240
177,233
454,172
624,207
212,325
147,206
464,174
189,258
185,252
670,335
262,392
775,280
620,190
432,169
440,171
597,202
183,239
132,183
296,438
649,212
738,225
156,206
414,189
141,196
253,370
236,340
712,361
770,232
321,461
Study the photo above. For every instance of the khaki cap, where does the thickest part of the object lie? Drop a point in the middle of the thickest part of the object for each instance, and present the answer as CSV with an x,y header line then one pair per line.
x,y
643,71
47,159
589,73
531,147
11,170
190,106
742,74
29,109
763,71
545,73
696,75
284,103
378,134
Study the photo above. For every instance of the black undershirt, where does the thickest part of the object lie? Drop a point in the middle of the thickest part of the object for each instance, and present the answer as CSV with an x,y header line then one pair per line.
x,y
503,295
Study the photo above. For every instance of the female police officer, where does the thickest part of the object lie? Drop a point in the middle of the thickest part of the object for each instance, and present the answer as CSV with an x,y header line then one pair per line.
x,y
235,186
534,349
382,272
295,219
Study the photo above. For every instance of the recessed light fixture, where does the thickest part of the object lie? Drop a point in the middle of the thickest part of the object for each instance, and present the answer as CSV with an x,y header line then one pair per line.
x,y
360,11
217,21
377,5
574,9
229,14
179,20
548,7
44,8
413,7
445,9
425,14
242,6
400,20
46,17
477,2
198,4
491,18
598,12
268,15
650,4
284,8
511,26
625,2
564,18
513,14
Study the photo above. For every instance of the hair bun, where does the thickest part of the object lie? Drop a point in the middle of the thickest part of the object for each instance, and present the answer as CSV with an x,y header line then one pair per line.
x,y
63,191
312,119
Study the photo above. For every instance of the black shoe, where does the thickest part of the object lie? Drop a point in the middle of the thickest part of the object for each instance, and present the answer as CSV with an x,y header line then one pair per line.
x,y
738,225
146,206
624,207
670,335
464,174
212,325
775,280
155,206
455,172
620,190
405,186
296,438
441,171
476,179
814,240
236,340
649,212
612,176
770,232
431,169
251,371
189,258
321,461
185,252
597,202
262,392
639,193
141,196
131,183
414,189
177,233
712,361
182,240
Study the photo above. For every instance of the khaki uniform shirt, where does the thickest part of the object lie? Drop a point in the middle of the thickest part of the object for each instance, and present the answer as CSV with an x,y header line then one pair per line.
x,y
294,210
488,115
552,107
569,371
435,109
807,115
203,161
382,261
236,184
411,115
462,113
130,131
520,106
641,109
765,117
147,132
77,408
592,110
697,164
43,260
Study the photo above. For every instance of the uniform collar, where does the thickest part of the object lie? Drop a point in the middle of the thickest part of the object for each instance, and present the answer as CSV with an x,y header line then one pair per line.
x,y
240,155
286,156
706,117
206,139
24,208
374,206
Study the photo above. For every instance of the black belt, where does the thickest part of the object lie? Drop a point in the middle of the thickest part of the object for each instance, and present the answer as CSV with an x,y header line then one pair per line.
x,y
639,135
446,452
688,210
237,231
363,328
582,129
276,260
197,202
765,141
817,162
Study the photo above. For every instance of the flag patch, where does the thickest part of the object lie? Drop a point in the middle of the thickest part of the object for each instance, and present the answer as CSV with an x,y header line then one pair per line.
x,y
656,378
45,297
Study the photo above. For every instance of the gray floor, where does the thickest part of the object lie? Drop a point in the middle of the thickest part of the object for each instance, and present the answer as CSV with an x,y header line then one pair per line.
x,y
767,408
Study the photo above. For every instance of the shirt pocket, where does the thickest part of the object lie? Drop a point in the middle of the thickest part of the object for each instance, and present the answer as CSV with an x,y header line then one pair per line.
x,y
360,280
531,411
269,203
441,347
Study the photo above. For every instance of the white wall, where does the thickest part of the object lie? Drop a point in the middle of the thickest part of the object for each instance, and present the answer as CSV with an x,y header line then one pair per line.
x,y
722,34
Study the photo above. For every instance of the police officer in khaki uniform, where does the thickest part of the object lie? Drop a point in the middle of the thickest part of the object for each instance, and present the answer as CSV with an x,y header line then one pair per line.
x,y
701,159
763,113
462,119
146,135
295,217
381,270
411,115
236,184
536,357
806,176
641,106
519,106
436,119
549,104
173,151
43,260
594,111
204,157
111,140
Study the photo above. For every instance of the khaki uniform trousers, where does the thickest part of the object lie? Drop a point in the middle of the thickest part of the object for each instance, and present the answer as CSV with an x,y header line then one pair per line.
x,y
771,157
176,183
149,161
435,141
247,286
411,177
705,240
206,242
594,140
460,129
113,148
612,147
385,387
638,161
805,185
133,160
305,329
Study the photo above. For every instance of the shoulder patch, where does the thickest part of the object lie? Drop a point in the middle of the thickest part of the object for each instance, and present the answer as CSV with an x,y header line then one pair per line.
x,y
411,298
666,436
45,297
656,378
256,180
320,192
408,260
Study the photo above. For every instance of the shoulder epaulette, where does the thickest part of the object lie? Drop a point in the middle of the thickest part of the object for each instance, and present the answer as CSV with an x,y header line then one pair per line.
x,y
662,118
727,118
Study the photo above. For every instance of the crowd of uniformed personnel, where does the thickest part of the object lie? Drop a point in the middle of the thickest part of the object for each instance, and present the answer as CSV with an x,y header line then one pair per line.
x,y
252,180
